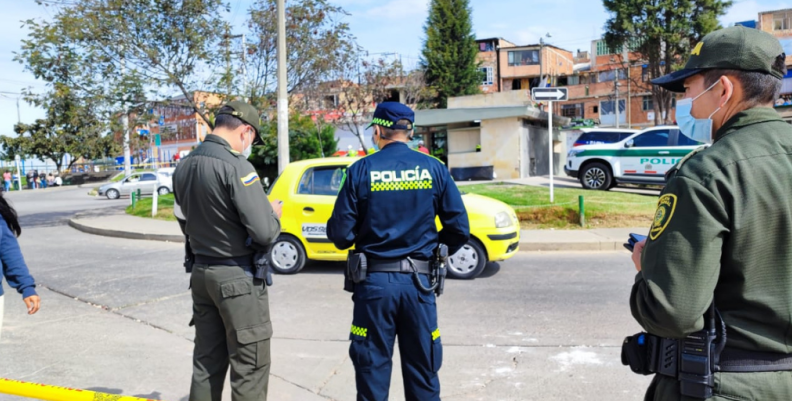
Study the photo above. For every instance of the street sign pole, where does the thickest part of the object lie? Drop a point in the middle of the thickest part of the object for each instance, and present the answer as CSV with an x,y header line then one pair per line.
x,y
19,176
550,144
550,95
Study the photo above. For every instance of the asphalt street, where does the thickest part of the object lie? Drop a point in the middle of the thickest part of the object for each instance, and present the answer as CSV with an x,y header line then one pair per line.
x,y
541,326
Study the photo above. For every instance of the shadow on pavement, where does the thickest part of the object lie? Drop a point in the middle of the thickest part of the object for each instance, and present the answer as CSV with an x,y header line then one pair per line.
x,y
154,395
490,270
52,219
323,268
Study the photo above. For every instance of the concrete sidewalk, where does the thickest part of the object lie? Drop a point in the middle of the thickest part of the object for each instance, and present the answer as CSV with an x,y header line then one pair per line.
x,y
116,223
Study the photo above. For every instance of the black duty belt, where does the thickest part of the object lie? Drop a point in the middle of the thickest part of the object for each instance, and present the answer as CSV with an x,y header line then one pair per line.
x,y
398,266
737,360
242,261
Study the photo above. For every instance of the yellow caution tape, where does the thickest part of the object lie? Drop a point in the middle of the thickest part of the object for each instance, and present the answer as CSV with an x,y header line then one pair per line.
x,y
55,393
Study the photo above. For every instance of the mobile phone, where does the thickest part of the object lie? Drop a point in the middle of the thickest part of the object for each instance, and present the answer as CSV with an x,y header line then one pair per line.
x,y
637,237
280,202
634,239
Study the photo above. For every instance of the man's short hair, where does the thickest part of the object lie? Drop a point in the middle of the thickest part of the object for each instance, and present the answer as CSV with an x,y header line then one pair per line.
x,y
388,133
758,87
227,121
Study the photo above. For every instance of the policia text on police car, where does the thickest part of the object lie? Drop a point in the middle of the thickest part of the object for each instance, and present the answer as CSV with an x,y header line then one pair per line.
x,y
714,283
398,262
229,224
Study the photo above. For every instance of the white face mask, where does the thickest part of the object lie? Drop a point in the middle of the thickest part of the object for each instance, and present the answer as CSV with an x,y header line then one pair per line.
x,y
247,150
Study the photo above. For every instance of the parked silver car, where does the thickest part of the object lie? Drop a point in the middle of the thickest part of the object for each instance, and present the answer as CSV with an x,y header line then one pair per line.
x,y
146,182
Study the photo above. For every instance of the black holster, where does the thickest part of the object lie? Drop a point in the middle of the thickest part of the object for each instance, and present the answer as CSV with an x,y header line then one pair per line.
x,y
261,267
692,360
189,256
355,271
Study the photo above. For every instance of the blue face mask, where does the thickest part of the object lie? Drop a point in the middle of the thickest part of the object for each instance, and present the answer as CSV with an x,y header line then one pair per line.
x,y
699,130
374,142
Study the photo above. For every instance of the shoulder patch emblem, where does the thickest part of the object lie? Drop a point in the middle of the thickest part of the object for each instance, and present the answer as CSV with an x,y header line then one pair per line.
x,y
249,179
665,211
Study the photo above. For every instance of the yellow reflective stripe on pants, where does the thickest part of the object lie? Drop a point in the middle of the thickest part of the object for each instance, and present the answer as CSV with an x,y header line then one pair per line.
x,y
359,331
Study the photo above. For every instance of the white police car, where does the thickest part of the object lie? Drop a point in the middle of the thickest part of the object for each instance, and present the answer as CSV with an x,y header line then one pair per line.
x,y
642,158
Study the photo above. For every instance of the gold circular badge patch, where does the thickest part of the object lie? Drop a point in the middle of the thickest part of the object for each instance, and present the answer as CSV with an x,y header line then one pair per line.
x,y
665,211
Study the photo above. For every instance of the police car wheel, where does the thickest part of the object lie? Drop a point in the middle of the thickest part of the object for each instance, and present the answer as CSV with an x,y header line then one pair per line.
x,y
163,191
287,255
113,194
596,176
468,262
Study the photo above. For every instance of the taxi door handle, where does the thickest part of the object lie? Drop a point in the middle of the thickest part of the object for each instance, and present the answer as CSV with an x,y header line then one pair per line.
x,y
308,209
663,152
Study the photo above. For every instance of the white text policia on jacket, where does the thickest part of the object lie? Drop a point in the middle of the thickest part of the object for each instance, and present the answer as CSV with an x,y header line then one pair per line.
x,y
401,180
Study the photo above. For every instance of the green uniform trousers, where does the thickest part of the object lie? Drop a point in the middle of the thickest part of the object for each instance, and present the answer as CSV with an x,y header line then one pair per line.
x,y
757,386
232,325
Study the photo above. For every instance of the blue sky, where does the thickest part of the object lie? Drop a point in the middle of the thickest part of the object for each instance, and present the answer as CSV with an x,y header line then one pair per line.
x,y
381,26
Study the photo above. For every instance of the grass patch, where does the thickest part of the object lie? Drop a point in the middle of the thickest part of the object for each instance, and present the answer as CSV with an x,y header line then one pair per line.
x,y
603,209
164,208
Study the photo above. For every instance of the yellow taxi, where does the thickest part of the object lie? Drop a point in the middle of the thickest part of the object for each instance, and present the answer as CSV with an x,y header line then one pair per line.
x,y
309,188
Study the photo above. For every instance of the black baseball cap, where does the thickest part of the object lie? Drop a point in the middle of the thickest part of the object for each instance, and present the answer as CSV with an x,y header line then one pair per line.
x,y
734,48
388,115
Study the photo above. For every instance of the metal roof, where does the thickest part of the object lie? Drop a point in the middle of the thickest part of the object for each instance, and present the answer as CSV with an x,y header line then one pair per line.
x,y
437,117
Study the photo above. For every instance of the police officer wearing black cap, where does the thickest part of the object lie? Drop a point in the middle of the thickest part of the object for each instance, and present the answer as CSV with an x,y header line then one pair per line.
x,y
714,283
386,208
227,219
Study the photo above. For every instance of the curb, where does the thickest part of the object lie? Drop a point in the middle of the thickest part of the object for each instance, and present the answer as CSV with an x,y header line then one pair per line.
x,y
74,223
524,246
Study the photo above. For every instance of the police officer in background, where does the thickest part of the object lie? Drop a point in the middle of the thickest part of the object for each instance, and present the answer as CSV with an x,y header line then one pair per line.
x,y
227,219
386,208
723,227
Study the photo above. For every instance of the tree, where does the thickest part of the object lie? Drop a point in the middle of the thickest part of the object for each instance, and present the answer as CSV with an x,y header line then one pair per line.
x,y
356,92
449,53
164,42
78,104
317,43
661,32
307,140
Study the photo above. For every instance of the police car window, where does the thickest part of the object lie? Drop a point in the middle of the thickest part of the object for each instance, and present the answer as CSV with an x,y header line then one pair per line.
x,y
649,139
683,140
148,177
321,181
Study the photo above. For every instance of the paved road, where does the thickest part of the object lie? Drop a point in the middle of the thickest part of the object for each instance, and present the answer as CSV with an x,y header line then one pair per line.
x,y
542,326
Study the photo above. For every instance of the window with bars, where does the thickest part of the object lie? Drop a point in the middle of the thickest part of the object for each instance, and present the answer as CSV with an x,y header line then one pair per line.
x,y
782,21
647,103
523,57
486,76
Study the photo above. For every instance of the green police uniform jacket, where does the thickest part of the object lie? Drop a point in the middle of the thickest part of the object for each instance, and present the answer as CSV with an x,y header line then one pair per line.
x,y
223,201
723,229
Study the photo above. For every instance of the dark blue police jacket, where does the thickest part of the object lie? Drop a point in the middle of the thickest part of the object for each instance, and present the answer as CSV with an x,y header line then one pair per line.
x,y
387,205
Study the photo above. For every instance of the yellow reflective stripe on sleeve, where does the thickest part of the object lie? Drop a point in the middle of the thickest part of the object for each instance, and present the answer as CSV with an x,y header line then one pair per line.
x,y
436,334
400,186
359,331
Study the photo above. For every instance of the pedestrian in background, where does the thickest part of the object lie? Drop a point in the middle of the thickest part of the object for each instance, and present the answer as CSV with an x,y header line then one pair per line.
x,y
7,180
15,270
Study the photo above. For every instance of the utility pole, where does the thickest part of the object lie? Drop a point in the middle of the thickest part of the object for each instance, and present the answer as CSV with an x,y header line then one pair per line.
x,y
125,123
283,100
616,83
541,60
244,69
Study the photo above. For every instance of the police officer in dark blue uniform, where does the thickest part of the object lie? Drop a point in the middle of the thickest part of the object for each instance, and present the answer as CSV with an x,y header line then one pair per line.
x,y
386,208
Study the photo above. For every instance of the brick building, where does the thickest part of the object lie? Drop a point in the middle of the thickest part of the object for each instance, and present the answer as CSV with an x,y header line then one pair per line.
x,y
779,24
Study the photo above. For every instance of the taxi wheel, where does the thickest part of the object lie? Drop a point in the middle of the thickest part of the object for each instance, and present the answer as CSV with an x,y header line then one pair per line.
x,y
596,176
468,262
287,255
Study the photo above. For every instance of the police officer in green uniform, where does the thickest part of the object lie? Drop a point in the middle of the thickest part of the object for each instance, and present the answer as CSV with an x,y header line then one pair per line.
x,y
227,219
723,228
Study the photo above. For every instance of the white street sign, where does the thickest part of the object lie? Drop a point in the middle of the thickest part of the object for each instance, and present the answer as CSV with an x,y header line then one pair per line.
x,y
547,94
